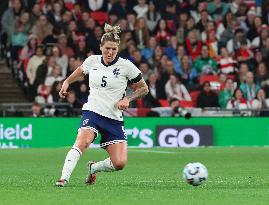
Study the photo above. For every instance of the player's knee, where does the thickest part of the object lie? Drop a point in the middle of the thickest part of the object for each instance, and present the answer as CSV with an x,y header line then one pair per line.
x,y
119,164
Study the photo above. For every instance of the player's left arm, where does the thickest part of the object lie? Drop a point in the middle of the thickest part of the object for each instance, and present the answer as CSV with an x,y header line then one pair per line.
x,y
140,90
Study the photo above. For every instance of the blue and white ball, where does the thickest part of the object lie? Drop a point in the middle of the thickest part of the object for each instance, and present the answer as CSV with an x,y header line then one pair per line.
x,y
195,173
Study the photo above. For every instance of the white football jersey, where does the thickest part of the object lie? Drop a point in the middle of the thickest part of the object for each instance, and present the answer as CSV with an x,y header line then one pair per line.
x,y
107,84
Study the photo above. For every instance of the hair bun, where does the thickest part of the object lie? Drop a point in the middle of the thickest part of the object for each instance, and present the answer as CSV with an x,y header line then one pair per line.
x,y
112,29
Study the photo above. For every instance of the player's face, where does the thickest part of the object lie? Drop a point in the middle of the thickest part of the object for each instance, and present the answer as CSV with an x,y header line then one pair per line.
x,y
109,51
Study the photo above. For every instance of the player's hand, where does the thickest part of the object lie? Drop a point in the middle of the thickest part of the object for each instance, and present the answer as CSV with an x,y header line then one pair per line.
x,y
63,92
123,104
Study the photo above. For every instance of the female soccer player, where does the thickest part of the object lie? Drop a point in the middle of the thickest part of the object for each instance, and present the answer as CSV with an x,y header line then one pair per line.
x,y
108,78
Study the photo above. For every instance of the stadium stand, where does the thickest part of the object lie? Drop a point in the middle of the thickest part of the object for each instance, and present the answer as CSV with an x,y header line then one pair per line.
x,y
43,41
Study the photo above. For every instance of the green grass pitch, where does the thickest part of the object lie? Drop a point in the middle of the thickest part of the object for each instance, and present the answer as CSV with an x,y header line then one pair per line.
x,y
152,177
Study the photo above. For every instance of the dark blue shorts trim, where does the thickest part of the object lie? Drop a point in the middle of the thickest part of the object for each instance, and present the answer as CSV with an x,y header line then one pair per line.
x,y
112,131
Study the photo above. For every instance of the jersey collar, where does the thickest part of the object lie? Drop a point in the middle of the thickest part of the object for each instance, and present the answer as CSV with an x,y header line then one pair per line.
x,y
112,63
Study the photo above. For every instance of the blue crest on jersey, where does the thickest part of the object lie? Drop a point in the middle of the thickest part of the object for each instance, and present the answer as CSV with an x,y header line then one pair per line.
x,y
116,72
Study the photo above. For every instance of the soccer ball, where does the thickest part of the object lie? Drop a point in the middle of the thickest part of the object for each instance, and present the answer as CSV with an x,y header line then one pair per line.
x,y
195,173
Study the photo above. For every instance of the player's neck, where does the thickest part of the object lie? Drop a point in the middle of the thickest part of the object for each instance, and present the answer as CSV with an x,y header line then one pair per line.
x,y
111,63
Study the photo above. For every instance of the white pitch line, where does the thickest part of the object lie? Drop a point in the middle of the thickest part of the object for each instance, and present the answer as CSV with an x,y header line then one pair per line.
x,y
153,151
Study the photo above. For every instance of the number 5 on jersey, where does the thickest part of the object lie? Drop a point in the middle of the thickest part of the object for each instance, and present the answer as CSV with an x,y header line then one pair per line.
x,y
103,84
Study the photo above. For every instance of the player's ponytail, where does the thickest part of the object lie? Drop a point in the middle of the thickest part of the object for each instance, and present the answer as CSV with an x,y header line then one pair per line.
x,y
111,34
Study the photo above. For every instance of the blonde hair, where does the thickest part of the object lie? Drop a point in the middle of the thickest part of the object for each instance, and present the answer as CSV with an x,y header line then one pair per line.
x,y
111,34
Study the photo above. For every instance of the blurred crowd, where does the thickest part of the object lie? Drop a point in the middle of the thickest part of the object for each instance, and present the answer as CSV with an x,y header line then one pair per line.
x,y
198,53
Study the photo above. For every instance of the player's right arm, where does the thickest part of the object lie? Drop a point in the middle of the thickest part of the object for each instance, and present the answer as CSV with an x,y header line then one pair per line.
x,y
76,75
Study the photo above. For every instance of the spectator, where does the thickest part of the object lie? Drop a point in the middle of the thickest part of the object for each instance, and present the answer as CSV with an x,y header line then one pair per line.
x,y
42,28
234,7
241,13
65,49
131,18
144,68
171,49
32,66
9,17
154,61
227,93
194,8
61,59
175,89
244,53
152,98
93,43
190,25
56,75
262,73
182,24
74,103
228,32
241,75
233,45
258,58
166,69
123,23
84,24
265,50
121,8
141,8
73,34
212,44
170,13
112,19
210,26
193,44
35,13
54,16
29,49
205,64
175,107
260,40
52,39
54,93
261,103
148,51
37,110
221,82
249,87
125,38
177,59
94,5
217,9
152,17
19,39
250,24
137,57
207,98
238,102
226,63
141,32
204,19
43,70
188,74
83,93
253,32
162,34
80,48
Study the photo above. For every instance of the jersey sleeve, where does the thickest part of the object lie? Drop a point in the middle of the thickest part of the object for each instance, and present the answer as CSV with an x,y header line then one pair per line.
x,y
87,64
134,74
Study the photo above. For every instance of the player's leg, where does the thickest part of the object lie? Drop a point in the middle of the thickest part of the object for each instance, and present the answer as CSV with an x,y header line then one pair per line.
x,y
116,161
114,140
84,139
118,155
